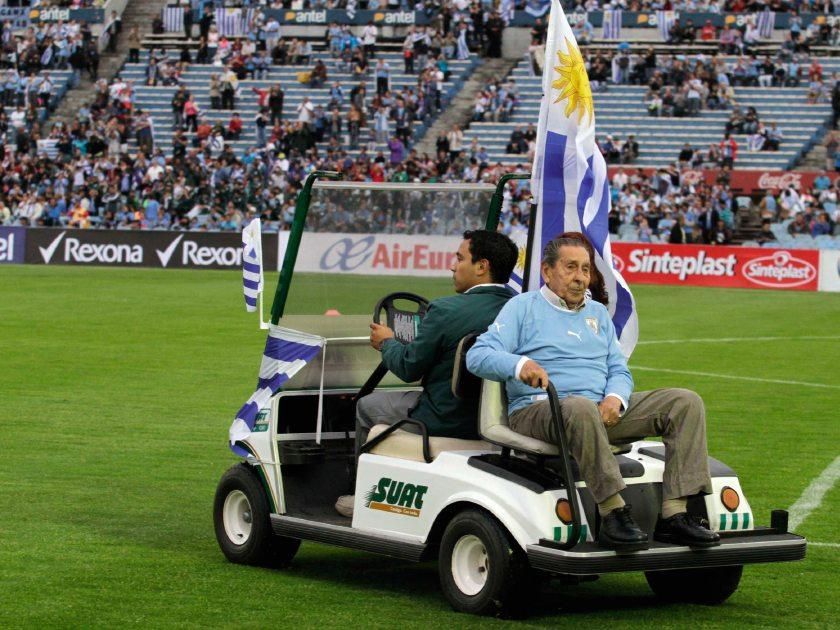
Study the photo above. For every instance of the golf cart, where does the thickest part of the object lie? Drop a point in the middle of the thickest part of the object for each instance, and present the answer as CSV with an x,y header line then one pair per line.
x,y
496,513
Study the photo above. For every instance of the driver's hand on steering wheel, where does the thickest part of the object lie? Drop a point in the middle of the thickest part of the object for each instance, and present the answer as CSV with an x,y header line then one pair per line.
x,y
533,374
378,334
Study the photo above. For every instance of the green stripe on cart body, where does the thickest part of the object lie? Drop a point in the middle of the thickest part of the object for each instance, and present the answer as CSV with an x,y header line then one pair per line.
x,y
734,521
722,522
746,520
582,534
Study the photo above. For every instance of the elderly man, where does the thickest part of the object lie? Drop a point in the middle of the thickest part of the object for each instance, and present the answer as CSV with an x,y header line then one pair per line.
x,y
559,334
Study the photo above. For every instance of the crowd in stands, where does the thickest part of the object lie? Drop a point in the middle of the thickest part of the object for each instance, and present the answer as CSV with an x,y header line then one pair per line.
x,y
664,207
200,182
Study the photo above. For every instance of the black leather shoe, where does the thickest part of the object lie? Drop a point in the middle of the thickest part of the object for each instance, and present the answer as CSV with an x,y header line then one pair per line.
x,y
620,532
685,529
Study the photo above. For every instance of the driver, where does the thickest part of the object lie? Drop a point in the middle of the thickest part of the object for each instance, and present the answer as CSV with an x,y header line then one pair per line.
x,y
480,273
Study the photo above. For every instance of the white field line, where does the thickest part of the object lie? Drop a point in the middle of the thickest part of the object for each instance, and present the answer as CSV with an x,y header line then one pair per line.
x,y
654,342
754,379
822,544
812,496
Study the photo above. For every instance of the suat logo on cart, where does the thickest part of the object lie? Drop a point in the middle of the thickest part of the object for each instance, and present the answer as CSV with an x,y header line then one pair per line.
x,y
399,497
779,270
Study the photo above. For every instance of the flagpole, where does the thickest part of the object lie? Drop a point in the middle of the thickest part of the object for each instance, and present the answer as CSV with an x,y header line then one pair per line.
x,y
529,252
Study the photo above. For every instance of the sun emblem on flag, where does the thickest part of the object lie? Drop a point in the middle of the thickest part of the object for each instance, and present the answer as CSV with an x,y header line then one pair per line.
x,y
574,83
520,259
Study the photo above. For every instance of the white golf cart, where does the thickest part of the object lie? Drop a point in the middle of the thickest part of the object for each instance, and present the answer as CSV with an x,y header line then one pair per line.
x,y
495,513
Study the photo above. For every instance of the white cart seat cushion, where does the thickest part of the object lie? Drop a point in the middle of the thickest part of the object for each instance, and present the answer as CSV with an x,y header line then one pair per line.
x,y
404,445
493,423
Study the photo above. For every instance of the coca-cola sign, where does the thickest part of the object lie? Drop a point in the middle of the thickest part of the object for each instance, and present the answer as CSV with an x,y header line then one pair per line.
x,y
779,270
769,181
748,181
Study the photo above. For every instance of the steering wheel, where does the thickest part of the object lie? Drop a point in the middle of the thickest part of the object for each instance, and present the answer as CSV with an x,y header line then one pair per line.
x,y
403,323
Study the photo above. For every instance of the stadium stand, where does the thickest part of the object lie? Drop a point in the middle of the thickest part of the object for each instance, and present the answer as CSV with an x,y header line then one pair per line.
x,y
141,156
622,110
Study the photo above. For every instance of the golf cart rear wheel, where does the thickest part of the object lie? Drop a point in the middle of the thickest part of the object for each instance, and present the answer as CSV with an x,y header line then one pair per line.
x,y
482,570
698,586
241,519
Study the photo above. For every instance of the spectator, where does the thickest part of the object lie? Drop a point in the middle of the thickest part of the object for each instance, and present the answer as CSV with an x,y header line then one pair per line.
x,y
821,226
728,151
630,150
798,225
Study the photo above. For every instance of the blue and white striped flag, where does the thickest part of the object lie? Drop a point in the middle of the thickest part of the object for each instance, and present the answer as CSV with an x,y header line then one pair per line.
x,y
537,8
286,353
229,22
612,24
506,11
569,177
664,21
173,19
463,49
252,269
766,23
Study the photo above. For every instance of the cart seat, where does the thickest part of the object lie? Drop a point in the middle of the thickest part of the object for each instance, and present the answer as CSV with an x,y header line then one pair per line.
x,y
493,423
404,445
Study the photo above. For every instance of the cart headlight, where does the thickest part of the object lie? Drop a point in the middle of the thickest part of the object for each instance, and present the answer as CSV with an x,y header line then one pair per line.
x,y
730,499
563,509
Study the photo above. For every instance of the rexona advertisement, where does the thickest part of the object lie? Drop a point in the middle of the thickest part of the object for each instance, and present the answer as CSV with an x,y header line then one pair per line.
x,y
399,497
711,266
192,250
380,254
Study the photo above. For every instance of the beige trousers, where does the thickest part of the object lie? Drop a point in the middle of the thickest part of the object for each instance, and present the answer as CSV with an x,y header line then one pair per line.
x,y
677,415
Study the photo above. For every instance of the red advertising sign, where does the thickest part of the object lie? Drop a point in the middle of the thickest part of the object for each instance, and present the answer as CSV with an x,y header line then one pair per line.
x,y
748,181
716,266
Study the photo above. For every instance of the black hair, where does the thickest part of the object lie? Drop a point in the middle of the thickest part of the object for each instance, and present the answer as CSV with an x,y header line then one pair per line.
x,y
495,248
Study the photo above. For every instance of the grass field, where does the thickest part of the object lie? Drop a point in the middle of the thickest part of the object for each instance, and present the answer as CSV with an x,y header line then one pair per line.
x,y
117,388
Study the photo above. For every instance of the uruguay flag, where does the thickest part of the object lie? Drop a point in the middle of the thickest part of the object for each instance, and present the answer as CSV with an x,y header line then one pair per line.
x,y
286,353
252,269
569,177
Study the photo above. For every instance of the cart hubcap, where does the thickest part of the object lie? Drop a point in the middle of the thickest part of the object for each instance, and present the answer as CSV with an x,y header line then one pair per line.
x,y
470,565
237,518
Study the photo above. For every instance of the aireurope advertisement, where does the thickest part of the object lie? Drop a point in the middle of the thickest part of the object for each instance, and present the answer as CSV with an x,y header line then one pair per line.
x,y
715,266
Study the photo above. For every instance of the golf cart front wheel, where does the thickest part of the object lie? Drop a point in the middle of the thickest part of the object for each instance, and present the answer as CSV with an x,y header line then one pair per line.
x,y
242,524
697,586
482,571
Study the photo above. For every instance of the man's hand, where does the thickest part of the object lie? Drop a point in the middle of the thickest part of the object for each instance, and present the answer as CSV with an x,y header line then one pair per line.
x,y
378,334
610,409
533,374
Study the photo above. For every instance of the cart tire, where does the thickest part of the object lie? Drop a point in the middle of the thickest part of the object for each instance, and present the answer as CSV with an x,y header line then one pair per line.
x,y
697,586
242,524
482,569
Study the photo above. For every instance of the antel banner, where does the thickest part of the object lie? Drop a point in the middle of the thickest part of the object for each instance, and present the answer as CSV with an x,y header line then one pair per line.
x,y
377,254
12,244
749,181
180,250
699,265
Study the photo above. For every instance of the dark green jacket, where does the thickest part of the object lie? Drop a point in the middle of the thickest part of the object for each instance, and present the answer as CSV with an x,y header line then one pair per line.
x,y
432,355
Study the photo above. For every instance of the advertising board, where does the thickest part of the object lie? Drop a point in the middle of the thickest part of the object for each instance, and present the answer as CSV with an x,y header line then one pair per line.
x,y
377,254
830,270
749,181
718,266
12,244
185,250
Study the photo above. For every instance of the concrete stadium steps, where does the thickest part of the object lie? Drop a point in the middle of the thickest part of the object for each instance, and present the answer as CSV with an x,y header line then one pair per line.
x,y
157,99
621,111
